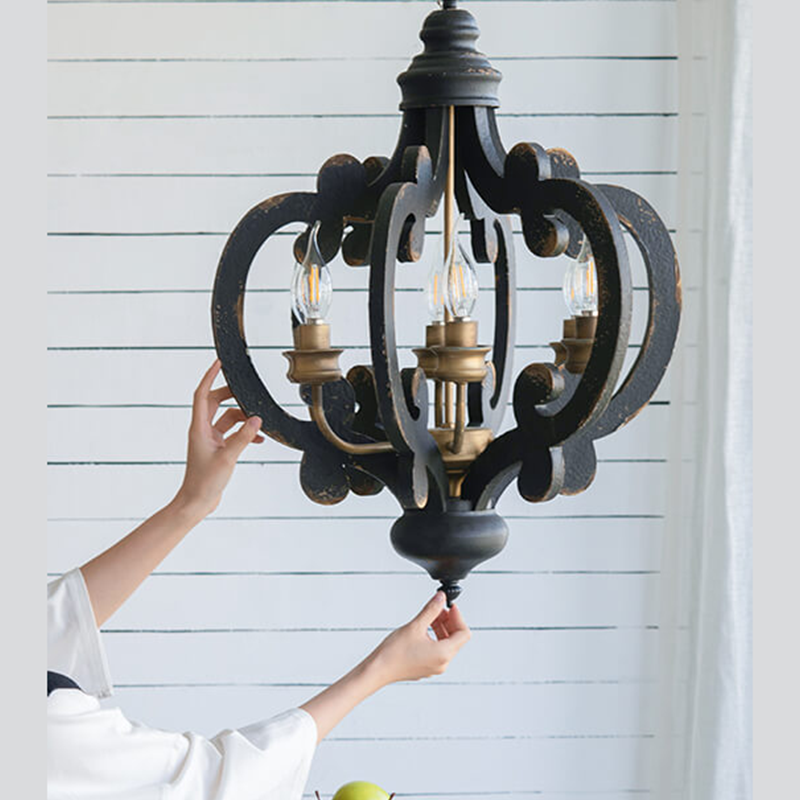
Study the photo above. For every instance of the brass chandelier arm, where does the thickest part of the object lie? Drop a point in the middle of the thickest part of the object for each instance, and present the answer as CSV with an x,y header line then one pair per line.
x,y
321,421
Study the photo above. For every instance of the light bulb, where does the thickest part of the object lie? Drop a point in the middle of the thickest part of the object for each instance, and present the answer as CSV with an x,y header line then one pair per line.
x,y
312,289
580,283
462,280
435,292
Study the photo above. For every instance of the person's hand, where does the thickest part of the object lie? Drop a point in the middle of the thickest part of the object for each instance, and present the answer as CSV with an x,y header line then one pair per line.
x,y
211,456
409,653
406,654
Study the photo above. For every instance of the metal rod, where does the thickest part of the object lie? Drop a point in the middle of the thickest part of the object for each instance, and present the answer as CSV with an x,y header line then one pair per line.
x,y
318,415
461,418
450,185
438,399
449,212
448,404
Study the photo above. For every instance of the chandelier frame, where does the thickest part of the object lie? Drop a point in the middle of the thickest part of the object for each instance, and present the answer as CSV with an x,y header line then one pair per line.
x,y
370,429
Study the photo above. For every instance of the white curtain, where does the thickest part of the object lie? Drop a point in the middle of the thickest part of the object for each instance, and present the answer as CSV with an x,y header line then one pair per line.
x,y
704,748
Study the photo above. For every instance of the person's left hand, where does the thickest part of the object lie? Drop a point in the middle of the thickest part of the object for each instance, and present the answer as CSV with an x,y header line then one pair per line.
x,y
211,456
409,653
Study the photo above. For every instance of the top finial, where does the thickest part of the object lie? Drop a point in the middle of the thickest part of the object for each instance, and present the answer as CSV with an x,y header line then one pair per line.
x,y
450,71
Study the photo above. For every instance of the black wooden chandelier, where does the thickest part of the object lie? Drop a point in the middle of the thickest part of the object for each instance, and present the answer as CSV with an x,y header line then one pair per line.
x,y
377,427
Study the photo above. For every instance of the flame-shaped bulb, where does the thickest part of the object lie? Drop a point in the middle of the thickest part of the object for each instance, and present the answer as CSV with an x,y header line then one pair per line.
x,y
435,292
312,289
580,283
462,280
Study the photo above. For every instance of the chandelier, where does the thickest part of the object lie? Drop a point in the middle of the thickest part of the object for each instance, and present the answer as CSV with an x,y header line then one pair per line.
x,y
380,426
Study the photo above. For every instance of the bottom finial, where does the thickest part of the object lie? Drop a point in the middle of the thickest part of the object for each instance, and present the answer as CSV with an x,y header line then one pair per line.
x,y
451,591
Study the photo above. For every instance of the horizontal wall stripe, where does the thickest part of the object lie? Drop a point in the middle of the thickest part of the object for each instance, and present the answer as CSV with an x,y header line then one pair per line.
x,y
374,722
585,546
341,573
439,682
123,491
456,738
396,713
387,518
175,321
215,518
254,347
617,655
368,629
141,233
297,228
175,373
325,59
255,31
268,347
364,115
635,172
608,793
165,422
272,604
260,463
168,204
611,144
157,437
349,290
410,768
178,233
273,2
574,87
188,405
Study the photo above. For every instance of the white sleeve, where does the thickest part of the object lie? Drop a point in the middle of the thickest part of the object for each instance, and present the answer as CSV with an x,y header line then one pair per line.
x,y
98,752
267,760
73,641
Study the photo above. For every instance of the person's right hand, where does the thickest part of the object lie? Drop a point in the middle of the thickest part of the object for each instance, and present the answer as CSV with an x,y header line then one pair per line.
x,y
409,653
211,455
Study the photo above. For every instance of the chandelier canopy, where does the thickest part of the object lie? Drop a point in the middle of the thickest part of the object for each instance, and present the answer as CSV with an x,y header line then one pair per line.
x,y
378,427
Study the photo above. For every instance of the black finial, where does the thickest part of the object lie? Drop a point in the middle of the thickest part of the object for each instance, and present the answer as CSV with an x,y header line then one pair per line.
x,y
451,591
450,71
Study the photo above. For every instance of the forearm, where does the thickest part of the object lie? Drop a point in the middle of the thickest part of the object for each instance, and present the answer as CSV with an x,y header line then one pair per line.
x,y
333,704
114,575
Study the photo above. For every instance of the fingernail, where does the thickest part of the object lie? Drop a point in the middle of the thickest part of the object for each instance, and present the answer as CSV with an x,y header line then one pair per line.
x,y
254,422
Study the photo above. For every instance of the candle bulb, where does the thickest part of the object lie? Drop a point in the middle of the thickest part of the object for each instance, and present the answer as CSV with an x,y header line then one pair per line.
x,y
462,280
312,289
435,293
580,283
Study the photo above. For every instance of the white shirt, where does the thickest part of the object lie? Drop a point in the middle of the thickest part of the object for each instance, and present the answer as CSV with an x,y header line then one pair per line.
x,y
94,752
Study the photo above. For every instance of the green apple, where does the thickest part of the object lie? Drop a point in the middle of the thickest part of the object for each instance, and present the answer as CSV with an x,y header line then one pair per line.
x,y
360,790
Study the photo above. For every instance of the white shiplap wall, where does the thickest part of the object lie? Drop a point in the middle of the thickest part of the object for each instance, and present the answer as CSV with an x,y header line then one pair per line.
x,y
167,121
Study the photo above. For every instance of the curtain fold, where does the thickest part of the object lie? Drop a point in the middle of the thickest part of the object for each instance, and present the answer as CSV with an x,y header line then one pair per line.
x,y
704,747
